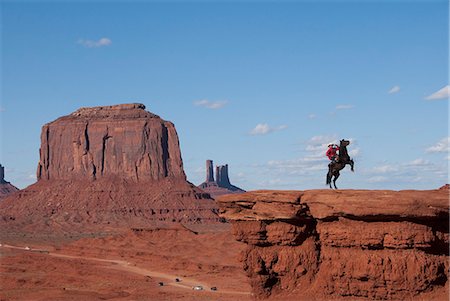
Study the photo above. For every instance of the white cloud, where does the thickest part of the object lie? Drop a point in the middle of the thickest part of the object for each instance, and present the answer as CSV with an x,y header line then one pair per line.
x,y
394,89
210,104
443,93
264,128
321,140
317,145
95,44
301,166
418,162
384,169
415,171
354,152
377,179
440,147
344,107
312,116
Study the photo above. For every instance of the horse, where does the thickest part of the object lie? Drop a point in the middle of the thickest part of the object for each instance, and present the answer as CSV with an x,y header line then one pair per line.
x,y
342,160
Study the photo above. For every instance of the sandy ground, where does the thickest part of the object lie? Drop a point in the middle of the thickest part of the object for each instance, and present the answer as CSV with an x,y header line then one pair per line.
x,y
125,266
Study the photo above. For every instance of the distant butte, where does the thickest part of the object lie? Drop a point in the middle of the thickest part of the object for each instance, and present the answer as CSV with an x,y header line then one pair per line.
x,y
6,188
221,185
111,166
123,141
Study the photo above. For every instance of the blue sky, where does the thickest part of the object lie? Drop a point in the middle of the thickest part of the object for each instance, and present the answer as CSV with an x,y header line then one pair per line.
x,y
262,86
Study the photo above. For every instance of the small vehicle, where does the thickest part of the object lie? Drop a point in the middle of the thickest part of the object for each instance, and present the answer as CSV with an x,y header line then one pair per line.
x,y
198,288
27,248
214,288
161,283
177,280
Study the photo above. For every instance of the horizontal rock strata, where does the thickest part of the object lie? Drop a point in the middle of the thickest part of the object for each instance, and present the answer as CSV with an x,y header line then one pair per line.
x,y
122,140
351,244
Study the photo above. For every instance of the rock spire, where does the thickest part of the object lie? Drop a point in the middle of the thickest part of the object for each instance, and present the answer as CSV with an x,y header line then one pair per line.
x,y
221,184
2,174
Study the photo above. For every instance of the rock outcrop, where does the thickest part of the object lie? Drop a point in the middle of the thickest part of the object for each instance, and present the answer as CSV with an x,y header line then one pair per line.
x,y
122,141
355,245
113,166
6,188
221,185
222,178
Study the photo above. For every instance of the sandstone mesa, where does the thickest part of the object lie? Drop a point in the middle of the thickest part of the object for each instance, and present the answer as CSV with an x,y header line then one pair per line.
x,y
111,166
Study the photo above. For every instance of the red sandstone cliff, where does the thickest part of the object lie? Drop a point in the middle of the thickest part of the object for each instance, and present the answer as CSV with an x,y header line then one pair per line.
x,y
123,141
343,244
108,167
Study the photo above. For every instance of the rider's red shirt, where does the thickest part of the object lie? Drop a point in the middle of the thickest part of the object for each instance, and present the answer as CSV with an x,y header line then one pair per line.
x,y
331,152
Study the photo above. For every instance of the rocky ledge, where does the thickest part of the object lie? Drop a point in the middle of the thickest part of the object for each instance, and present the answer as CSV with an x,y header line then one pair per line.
x,y
347,244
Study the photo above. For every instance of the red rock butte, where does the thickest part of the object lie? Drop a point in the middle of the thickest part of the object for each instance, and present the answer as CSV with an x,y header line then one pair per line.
x,y
123,141
109,166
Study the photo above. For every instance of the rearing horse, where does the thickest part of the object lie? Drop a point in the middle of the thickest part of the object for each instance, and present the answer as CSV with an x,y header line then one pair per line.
x,y
335,167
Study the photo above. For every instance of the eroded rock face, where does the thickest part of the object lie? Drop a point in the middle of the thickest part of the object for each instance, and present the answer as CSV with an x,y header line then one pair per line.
x,y
122,141
343,244
107,168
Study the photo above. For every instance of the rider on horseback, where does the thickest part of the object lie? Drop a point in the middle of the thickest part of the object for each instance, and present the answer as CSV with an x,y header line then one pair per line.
x,y
332,153
338,162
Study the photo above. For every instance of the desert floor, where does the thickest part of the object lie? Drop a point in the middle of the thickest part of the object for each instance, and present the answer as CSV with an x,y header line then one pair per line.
x,y
126,265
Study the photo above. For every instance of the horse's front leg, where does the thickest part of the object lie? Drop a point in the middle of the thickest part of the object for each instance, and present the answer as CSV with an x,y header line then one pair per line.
x,y
351,165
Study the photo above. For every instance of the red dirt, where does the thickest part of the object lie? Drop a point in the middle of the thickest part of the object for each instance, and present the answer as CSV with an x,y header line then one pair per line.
x,y
126,266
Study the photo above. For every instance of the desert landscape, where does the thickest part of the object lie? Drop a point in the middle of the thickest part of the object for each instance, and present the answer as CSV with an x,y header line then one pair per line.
x,y
224,150
112,217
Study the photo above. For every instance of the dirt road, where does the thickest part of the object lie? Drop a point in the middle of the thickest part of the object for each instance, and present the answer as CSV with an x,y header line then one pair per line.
x,y
167,279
